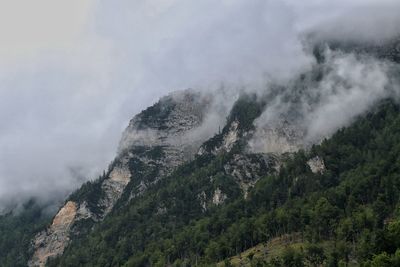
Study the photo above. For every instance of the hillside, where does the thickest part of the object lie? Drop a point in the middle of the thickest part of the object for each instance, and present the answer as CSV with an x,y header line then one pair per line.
x,y
352,202
263,190
17,230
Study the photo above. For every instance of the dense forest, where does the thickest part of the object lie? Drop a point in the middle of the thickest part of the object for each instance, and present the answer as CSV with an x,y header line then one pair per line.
x,y
17,229
347,215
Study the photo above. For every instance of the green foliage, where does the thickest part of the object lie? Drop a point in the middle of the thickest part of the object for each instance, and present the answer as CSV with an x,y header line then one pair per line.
x,y
16,232
315,255
156,115
91,192
245,110
352,205
293,258
350,213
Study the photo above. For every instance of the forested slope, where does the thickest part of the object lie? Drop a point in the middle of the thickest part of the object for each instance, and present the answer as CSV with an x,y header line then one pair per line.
x,y
17,230
352,204
177,195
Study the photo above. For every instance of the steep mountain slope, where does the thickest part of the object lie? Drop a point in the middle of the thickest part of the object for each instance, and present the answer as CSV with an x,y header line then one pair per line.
x,y
176,223
17,228
219,174
206,210
179,194
152,146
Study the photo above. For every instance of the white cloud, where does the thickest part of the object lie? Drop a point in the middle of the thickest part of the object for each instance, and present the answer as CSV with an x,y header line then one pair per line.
x,y
72,73
31,27
310,110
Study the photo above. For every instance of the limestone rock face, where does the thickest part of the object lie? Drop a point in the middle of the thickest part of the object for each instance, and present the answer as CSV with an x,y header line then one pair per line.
x,y
316,165
203,200
114,186
247,169
163,136
228,140
84,212
56,237
231,137
155,142
279,137
168,123
218,197
53,241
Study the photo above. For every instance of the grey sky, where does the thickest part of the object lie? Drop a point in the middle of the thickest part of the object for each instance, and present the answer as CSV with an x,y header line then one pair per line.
x,y
72,73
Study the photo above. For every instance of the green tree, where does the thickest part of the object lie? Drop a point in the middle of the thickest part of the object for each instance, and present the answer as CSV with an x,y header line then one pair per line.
x,y
315,254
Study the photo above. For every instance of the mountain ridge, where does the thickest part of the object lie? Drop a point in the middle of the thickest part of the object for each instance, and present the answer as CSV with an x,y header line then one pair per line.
x,y
182,193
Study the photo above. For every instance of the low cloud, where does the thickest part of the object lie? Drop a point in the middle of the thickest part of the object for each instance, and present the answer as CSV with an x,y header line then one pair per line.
x,y
324,100
72,75
350,88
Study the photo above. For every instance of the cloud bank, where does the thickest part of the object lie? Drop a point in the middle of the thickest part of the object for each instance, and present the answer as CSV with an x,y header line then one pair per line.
x,y
73,74
317,104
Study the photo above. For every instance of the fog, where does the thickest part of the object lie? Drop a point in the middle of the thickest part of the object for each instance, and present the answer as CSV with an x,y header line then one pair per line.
x,y
73,75
327,98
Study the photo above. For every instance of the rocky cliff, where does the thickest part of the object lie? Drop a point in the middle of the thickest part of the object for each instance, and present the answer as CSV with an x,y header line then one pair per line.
x,y
156,141
172,171
164,137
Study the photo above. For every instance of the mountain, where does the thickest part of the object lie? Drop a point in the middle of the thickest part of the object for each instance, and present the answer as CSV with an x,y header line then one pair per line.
x,y
153,145
266,189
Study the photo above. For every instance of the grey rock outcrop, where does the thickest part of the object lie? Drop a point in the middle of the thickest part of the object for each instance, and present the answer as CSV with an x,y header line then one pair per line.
x,y
247,169
218,197
155,142
53,241
317,165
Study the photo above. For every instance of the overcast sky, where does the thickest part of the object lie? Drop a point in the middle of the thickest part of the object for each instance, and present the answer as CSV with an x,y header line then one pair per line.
x,y
73,72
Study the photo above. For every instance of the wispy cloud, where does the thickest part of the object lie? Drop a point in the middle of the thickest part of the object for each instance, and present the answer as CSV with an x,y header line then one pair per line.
x,y
72,74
